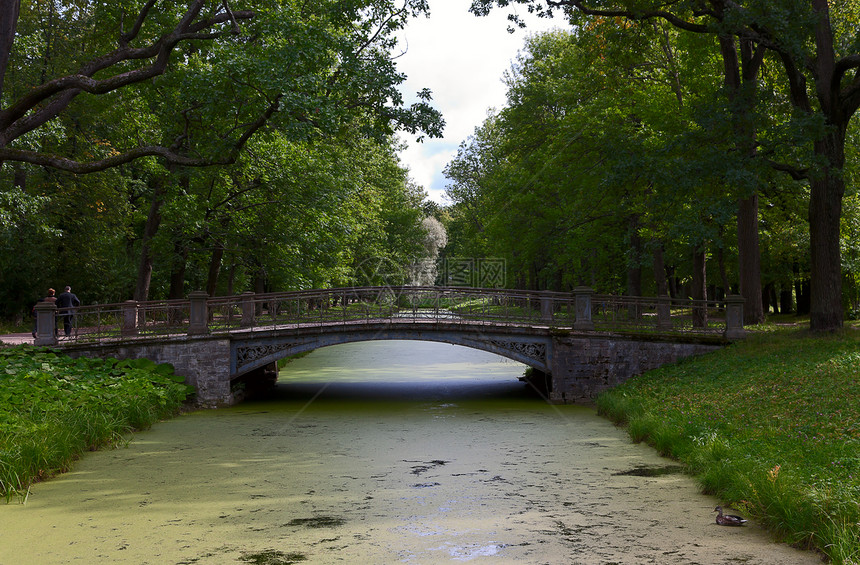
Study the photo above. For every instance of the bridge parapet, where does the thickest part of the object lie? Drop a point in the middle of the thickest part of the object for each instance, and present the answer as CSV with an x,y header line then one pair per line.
x,y
581,310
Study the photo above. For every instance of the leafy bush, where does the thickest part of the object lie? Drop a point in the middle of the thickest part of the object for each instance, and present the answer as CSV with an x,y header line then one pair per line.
x,y
53,408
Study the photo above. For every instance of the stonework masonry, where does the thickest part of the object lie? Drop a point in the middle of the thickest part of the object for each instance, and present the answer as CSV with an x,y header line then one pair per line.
x,y
203,361
583,367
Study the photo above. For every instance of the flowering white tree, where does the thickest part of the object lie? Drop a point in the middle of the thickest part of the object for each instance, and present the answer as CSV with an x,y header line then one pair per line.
x,y
425,270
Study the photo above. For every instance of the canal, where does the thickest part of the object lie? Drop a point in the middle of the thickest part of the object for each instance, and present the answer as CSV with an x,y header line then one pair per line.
x,y
381,452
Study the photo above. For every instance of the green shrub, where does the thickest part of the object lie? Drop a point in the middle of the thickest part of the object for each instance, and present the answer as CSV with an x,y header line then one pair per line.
x,y
53,409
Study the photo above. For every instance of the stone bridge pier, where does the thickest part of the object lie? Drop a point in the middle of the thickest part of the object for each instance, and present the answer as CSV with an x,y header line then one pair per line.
x,y
583,366
203,361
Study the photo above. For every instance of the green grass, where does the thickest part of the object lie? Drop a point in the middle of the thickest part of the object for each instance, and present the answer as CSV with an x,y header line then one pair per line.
x,y
53,409
770,425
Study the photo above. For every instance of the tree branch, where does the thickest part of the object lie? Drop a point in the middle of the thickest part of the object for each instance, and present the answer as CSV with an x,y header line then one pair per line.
x,y
232,16
794,172
8,25
124,38
850,94
170,155
629,14
796,83
20,118
78,167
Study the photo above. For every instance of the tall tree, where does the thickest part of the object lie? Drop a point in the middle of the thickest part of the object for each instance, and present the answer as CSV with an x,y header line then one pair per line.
x,y
10,10
578,156
821,66
742,60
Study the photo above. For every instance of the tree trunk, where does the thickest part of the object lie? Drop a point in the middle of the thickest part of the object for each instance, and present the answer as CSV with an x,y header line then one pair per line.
x,y
660,271
8,25
699,289
749,260
258,284
801,291
721,265
214,269
634,262
740,73
673,281
785,305
153,221
178,268
231,279
774,299
19,176
765,297
825,211
837,103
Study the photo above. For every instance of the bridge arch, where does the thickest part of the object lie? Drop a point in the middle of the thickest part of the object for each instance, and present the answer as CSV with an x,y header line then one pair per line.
x,y
255,352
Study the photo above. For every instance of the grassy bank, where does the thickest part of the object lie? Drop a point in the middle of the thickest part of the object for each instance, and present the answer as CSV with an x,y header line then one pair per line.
x,y
771,426
53,409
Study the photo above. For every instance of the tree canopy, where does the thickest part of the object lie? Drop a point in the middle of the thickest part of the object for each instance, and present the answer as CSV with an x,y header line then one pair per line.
x,y
149,148
218,71
620,153
810,92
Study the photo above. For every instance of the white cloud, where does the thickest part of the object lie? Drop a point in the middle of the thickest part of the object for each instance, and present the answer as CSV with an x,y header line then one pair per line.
x,y
461,58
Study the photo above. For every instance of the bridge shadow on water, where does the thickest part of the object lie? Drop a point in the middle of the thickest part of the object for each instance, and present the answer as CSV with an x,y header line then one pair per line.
x,y
439,391
401,373
385,375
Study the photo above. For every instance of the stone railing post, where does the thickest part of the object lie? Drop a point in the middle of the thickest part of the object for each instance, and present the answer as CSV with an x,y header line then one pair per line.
x,y
735,317
248,312
664,313
46,323
546,308
129,318
199,315
582,295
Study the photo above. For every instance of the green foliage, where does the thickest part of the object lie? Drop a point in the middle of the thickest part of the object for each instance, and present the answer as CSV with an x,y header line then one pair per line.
x,y
314,193
767,425
594,152
621,138
53,409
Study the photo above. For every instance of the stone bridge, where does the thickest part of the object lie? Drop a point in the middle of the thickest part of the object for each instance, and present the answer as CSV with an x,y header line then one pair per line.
x,y
579,343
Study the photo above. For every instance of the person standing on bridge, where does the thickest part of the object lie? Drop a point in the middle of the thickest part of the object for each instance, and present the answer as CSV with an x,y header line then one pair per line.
x,y
66,304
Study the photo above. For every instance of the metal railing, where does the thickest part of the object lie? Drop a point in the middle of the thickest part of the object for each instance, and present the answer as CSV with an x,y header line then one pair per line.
x,y
580,310
374,304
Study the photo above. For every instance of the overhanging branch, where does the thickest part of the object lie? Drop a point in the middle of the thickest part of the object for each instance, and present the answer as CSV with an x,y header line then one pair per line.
x,y
171,156
796,173
26,114
79,167
629,14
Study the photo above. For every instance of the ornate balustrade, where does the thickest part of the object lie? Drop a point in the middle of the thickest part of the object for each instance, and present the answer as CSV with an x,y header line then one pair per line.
x,y
580,310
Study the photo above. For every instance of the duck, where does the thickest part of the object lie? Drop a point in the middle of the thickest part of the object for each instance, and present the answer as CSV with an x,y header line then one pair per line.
x,y
728,519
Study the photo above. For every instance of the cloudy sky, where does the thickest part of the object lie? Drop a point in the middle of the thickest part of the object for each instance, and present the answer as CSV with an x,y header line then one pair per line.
x,y
461,58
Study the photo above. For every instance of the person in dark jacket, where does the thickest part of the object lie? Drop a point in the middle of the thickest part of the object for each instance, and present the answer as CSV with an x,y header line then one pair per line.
x,y
66,304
